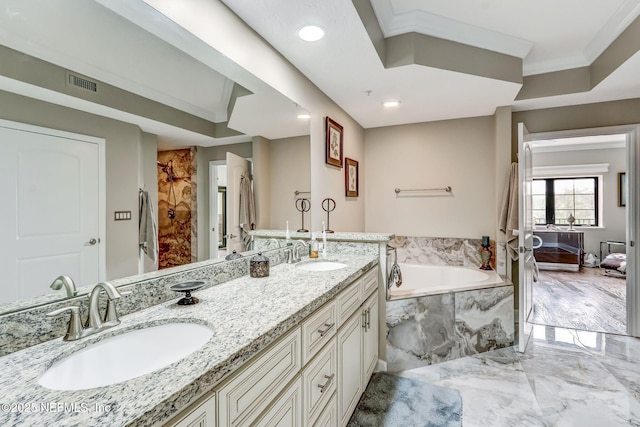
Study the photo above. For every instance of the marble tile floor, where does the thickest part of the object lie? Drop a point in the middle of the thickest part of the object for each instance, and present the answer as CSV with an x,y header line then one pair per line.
x,y
586,300
565,378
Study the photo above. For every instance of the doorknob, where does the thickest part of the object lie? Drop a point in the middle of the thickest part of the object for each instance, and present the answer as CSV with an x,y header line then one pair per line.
x,y
91,242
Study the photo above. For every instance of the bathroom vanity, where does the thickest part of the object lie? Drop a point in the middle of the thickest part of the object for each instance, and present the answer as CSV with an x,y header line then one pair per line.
x,y
294,348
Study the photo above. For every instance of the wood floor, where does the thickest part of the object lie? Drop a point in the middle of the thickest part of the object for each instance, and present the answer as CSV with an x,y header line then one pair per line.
x,y
587,300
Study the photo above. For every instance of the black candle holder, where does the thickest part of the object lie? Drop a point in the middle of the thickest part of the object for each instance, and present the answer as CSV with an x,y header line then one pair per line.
x,y
328,205
187,287
303,205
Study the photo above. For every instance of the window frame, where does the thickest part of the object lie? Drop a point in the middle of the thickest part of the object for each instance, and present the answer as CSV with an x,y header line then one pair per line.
x,y
550,218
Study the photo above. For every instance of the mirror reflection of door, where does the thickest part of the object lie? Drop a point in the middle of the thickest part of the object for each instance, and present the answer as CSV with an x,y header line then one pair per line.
x,y
222,218
237,168
55,227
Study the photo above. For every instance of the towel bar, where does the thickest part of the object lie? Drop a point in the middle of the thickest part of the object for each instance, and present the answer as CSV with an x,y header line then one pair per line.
x,y
447,189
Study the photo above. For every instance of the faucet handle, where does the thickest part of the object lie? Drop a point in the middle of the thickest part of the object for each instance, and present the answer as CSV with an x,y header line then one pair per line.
x,y
74,330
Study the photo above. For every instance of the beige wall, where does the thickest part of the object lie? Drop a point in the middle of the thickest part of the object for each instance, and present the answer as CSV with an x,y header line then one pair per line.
x,y
289,160
123,174
613,216
457,153
149,182
234,39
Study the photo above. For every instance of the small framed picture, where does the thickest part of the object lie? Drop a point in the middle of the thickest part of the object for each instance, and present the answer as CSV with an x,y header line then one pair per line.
x,y
334,136
622,189
351,180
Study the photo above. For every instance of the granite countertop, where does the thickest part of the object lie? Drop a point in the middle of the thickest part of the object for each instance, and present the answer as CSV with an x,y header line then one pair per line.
x,y
246,315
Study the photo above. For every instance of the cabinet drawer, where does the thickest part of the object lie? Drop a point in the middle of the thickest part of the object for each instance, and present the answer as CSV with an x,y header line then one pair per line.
x,y
348,301
319,382
317,330
370,281
286,411
248,393
203,415
329,417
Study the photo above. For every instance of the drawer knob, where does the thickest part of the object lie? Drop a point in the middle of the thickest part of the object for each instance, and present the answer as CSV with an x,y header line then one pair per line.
x,y
324,386
327,328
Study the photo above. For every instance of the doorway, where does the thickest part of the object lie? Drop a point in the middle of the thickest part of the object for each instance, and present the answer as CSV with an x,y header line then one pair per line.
x,y
582,220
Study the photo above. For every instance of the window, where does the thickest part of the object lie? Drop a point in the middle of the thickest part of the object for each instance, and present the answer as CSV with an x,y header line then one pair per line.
x,y
554,199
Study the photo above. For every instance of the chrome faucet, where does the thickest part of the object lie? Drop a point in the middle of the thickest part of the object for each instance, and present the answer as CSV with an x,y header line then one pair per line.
x,y
294,250
95,323
274,240
110,315
68,284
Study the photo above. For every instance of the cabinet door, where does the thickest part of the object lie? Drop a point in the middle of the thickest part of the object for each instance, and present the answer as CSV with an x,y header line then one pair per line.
x,y
248,393
349,366
202,416
286,411
370,339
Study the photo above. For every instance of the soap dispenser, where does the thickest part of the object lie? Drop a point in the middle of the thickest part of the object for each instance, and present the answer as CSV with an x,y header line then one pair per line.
x,y
313,247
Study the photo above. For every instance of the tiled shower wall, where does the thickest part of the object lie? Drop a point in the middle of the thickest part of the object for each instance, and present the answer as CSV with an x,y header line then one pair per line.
x,y
177,207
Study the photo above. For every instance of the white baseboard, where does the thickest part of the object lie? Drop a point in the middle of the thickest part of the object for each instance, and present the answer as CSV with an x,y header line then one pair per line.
x,y
381,366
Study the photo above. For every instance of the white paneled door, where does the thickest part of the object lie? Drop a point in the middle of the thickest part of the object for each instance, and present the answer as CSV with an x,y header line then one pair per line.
x,y
525,236
51,217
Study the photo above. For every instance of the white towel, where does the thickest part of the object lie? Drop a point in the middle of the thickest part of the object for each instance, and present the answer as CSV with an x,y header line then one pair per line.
x,y
508,220
148,231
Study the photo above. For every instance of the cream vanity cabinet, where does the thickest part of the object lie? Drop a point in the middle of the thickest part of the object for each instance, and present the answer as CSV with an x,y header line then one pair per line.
x,y
357,340
312,376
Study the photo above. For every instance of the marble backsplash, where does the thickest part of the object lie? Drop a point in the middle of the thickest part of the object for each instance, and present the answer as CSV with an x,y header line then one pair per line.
x,y
441,251
432,329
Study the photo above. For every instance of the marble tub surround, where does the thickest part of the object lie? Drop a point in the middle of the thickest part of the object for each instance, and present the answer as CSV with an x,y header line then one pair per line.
x,y
565,378
441,251
392,401
245,314
31,326
432,329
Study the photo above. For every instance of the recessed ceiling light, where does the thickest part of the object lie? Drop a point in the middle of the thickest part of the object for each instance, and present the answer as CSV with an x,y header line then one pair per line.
x,y
311,33
391,104
304,116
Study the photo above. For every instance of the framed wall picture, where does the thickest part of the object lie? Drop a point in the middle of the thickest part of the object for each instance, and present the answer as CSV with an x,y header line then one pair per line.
x,y
334,135
351,181
622,189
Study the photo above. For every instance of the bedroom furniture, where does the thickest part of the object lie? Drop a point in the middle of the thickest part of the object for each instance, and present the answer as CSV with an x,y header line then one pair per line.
x,y
614,262
559,250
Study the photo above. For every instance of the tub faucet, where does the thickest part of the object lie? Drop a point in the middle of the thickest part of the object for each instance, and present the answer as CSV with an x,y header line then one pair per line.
x,y
395,275
68,284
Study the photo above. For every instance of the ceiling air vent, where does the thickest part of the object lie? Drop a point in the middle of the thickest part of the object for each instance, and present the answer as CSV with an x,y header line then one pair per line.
x,y
82,83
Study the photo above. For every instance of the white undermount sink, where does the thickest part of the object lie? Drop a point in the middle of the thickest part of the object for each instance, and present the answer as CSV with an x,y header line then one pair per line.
x,y
126,356
321,266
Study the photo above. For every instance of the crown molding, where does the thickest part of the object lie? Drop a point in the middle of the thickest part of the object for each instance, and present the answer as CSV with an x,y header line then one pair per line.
x,y
419,21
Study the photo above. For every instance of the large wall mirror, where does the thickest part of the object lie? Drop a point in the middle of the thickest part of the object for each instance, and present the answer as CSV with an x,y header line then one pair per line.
x,y
139,92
